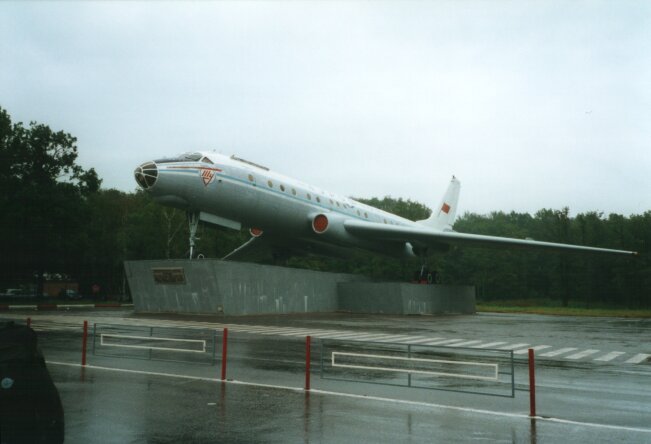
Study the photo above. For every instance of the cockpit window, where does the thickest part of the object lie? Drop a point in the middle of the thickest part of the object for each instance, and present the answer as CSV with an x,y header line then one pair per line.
x,y
185,157
206,160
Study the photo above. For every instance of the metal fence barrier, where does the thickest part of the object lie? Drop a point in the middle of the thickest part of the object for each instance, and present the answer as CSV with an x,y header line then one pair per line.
x,y
457,369
155,343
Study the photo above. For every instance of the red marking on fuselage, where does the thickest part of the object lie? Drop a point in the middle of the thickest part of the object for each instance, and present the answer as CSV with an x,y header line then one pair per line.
x,y
207,175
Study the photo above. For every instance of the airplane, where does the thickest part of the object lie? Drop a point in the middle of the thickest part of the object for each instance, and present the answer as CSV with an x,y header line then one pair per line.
x,y
284,213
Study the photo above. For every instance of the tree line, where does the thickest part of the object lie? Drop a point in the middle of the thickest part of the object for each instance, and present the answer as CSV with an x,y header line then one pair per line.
x,y
57,220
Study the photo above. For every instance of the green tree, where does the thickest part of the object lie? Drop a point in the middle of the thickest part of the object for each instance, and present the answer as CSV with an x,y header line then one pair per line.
x,y
404,208
45,200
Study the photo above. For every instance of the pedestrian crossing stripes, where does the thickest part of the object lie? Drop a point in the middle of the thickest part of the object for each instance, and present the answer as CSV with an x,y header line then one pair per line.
x,y
443,342
342,336
558,352
489,345
420,341
582,354
277,331
522,351
609,356
373,337
408,339
513,346
73,324
467,343
640,357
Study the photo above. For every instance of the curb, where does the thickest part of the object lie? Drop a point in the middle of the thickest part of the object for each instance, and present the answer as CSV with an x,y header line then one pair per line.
x,y
40,307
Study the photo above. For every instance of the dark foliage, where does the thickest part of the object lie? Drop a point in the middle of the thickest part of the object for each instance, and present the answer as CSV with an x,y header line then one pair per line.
x,y
44,201
54,218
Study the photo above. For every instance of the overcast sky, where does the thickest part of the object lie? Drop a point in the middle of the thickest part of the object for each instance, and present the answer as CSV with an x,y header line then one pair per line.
x,y
530,104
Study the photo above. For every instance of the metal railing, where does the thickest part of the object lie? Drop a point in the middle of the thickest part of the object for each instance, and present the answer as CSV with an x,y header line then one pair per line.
x,y
155,343
456,369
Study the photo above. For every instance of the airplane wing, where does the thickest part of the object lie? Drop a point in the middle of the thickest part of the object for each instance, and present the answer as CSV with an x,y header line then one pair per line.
x,y
432,238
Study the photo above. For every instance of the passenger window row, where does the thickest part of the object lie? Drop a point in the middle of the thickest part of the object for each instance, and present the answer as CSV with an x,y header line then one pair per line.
x,y
270,184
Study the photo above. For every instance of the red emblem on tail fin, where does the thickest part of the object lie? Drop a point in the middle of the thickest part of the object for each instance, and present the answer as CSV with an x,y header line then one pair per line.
x,y
445,208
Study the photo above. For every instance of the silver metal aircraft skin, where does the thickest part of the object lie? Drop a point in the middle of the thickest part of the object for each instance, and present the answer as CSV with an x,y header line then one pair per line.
x,y
283,212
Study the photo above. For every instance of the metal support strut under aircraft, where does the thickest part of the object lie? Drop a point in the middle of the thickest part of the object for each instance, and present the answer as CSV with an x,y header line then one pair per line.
x,y
425,275
193,222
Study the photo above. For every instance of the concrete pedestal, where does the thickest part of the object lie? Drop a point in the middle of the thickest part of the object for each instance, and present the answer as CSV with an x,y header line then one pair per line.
x,y
403,298
211,286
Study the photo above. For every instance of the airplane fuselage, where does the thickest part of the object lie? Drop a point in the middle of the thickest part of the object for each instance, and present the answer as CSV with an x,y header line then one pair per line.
x,y
235,193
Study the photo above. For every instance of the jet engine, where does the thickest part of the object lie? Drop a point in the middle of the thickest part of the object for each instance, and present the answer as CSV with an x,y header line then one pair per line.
x,y
330,226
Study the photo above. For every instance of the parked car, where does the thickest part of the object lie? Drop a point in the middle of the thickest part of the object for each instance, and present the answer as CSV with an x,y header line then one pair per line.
x,y
69,294
17,293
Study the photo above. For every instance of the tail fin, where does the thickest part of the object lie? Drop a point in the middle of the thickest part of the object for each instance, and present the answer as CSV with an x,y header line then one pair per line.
x,y
443,216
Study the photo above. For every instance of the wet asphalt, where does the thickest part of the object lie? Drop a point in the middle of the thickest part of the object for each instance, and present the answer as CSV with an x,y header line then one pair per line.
x,y
137,397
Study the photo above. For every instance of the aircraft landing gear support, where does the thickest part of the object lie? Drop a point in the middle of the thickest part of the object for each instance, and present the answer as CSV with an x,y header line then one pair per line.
x,y
427,276
193,222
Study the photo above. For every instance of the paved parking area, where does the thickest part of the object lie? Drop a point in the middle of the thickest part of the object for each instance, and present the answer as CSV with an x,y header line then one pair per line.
x,y
583,398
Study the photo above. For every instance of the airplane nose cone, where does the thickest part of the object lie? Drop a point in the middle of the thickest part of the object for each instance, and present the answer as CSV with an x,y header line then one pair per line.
x,y
146,175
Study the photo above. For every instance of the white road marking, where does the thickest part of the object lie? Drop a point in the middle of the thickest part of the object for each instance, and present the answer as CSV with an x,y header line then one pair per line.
x,y
302,332
369,335
341,335
489,344
558,352
317,334
290,329
638,358
513,346
274,331
609,356
248,329
420,341
394,338
582,354
443,342
385,337
522,351
467,343
350,337
330,335
410,338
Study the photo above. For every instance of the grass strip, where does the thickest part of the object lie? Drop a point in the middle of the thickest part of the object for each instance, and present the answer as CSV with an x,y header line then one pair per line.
x,y
565,311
